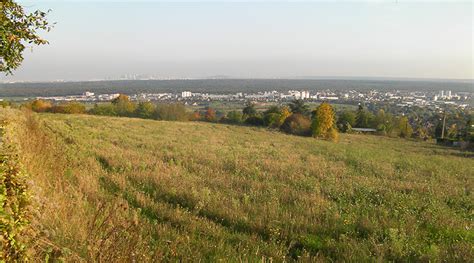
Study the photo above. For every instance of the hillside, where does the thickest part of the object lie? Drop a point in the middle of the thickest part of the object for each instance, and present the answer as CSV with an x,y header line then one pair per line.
x,y
117,189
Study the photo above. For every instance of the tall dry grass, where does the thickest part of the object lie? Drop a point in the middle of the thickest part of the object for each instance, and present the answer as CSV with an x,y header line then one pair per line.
x,y
114,189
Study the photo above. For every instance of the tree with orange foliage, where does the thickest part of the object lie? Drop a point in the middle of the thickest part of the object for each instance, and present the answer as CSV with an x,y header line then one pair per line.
x,y
324,121
210,115
195,116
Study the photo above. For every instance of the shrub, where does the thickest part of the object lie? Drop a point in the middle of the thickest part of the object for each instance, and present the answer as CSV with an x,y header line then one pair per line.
x,y
234,117
297,124
255,120
249,110
171,112
39,105
272,120
103,110
346,119
15,210
5,103
145,110
69,108
123,106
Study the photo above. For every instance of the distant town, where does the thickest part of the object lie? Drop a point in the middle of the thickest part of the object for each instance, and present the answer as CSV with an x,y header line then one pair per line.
x,y
424,99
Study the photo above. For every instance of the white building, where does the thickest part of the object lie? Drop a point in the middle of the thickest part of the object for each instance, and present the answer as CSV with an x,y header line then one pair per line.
x,y
305,95
186,94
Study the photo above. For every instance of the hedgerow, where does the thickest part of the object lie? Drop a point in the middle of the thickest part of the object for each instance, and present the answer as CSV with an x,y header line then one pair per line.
x,y
14,199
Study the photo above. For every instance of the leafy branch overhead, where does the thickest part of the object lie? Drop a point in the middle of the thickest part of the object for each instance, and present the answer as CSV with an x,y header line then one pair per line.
x,y
18,29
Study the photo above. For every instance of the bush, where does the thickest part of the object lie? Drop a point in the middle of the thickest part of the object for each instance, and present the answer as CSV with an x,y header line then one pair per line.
x,y
39,106
5,103
123,106
272,120
346,119
69,108
234,117
255,120
145,110
171,112
249,110
15,212
103,110
297,124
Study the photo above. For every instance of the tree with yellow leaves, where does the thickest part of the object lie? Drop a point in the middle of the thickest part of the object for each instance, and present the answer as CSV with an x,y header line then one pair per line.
x,y
284,113
324,121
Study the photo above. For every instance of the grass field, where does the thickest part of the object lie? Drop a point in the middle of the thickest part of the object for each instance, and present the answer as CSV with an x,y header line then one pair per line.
x,y
117,189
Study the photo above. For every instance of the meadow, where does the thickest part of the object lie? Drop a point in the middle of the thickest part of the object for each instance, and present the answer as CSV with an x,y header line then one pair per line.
x,y
123,189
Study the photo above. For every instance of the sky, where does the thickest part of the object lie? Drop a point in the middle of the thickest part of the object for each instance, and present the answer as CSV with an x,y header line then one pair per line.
x,y
252,39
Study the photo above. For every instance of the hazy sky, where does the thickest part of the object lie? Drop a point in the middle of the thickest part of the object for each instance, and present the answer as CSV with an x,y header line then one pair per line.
x,y
99,39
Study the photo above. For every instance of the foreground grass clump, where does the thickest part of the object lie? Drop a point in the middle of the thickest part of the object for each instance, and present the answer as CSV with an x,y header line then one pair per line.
x,y
122,189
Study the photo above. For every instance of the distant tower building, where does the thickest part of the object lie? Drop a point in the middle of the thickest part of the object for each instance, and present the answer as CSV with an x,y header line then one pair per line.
x,y
305,94
441,94
448,94
186,94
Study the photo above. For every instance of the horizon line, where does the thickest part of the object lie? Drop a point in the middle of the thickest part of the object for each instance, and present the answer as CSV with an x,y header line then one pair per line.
x,y
224,77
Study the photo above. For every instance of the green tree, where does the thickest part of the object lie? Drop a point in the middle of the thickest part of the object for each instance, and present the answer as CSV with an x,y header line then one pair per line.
x,y
17,30
249,110
103,110
271,117
145,110
346,120
405,129
383,122
234,117
171,112
299,107
324,121
123,106
363,118
271,120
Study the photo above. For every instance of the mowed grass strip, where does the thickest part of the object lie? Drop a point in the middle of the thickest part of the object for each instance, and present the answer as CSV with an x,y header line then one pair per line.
x,y
230,192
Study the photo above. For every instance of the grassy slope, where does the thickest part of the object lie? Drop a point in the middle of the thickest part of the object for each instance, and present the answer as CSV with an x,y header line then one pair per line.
x,y
197,190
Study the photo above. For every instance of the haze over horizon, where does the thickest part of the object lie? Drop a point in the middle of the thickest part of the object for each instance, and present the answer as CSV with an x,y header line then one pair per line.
x,y
391,39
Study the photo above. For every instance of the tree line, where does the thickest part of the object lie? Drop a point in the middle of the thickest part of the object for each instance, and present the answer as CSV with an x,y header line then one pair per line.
x,y
294,118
